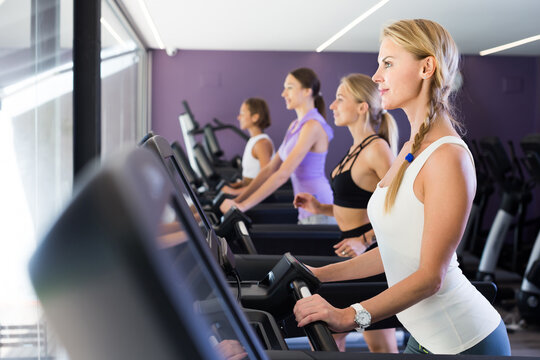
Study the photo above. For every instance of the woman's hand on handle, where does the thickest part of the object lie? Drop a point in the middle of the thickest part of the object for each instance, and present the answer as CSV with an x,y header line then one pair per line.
x,y
307,202
315,308
230,190
351,247
227,204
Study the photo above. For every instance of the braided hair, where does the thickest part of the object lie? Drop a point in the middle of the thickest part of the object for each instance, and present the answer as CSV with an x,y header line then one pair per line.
x,y
424,38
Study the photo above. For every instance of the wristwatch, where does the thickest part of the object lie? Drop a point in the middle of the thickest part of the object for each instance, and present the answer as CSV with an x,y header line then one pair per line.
x,y
362,317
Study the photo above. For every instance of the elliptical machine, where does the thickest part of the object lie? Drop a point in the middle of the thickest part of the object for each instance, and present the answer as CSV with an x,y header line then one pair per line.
x,y
484,190
529,294
190,127
516,195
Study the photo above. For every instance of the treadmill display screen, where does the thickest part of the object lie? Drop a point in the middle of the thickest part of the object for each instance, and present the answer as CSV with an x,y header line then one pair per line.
x,y
206,291
194,208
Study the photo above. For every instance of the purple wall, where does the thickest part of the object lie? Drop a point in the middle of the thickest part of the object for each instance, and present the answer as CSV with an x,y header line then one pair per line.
x,y
498,95
216,82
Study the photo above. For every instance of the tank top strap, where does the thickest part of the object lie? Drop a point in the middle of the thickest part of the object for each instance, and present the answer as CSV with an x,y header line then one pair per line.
x,y
256,138
418,162
260,136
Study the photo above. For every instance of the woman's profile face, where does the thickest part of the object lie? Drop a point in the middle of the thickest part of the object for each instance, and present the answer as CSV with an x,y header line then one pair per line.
x,y
293,93
399,75
244,117
345,108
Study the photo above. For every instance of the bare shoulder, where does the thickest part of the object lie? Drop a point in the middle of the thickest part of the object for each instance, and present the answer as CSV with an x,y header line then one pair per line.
x,y
264,141
377,150
262,145
377,146
450,161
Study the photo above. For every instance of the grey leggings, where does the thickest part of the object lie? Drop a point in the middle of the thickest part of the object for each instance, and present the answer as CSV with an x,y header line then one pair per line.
x,y
317,219
496,343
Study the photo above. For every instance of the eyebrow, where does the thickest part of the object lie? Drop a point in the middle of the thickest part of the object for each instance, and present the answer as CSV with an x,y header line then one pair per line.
x,y
386,57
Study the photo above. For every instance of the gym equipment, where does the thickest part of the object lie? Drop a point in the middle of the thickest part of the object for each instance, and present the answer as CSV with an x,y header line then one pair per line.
x,y
484,190
211,176
115,285
267,239
516,195
112,290
529,293
190,128
120,247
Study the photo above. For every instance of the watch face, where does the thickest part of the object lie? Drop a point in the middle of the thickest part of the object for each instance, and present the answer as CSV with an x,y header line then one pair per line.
x,y
363,318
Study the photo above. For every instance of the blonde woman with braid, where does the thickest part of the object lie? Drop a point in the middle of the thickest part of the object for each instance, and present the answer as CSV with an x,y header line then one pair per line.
x,y
419,211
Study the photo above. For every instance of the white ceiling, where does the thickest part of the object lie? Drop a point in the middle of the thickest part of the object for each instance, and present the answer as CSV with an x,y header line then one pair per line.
x,y
303,25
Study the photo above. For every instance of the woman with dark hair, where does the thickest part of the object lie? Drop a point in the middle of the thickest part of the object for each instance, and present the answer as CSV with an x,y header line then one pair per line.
x,y
254,117
302,154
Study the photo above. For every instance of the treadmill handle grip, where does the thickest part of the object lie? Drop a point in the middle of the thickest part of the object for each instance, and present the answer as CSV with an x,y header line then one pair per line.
x,y
317,332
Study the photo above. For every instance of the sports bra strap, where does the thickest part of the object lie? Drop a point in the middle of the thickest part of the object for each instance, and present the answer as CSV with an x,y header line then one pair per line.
x,y
354,154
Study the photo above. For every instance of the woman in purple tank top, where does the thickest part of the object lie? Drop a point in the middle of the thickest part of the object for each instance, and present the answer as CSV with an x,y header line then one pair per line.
x,y
302,154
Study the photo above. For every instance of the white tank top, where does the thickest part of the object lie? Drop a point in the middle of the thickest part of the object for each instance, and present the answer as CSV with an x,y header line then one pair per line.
x,y
457,317
250,165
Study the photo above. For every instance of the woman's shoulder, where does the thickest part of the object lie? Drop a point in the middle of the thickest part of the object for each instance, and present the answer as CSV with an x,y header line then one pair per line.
x,y
448,158
311,125
376,149
263,142
450,150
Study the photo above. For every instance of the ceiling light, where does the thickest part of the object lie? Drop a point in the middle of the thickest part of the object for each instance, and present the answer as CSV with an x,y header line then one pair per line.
x,y
151,24
509,45
351,25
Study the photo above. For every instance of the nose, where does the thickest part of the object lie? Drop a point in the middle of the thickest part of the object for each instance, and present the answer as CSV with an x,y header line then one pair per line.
x,y
333,105
377,77
283,93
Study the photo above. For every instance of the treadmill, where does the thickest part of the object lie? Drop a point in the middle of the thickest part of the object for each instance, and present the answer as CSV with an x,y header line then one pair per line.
x,y
313,240
113,286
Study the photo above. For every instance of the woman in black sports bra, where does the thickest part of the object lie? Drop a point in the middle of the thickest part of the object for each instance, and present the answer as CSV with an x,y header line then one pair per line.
x,y
358,106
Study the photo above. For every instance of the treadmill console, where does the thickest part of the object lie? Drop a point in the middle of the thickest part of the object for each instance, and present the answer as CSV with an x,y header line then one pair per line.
x,y
274,292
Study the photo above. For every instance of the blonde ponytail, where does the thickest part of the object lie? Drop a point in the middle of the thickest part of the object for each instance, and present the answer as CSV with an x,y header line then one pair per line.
x,y
388,130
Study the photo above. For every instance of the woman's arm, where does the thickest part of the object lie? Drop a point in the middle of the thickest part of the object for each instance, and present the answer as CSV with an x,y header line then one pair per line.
x,y
311,204
366,265
309,134
446,185
261,177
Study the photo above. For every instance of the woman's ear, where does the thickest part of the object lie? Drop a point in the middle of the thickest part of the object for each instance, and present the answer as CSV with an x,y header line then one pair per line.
x,y
362,108
255,118
428,67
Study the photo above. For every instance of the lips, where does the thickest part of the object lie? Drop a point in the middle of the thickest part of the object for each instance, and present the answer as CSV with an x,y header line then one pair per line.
x,y
383,91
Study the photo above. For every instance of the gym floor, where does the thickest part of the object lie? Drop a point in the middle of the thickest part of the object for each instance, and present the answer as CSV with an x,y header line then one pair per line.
x,y
524,338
